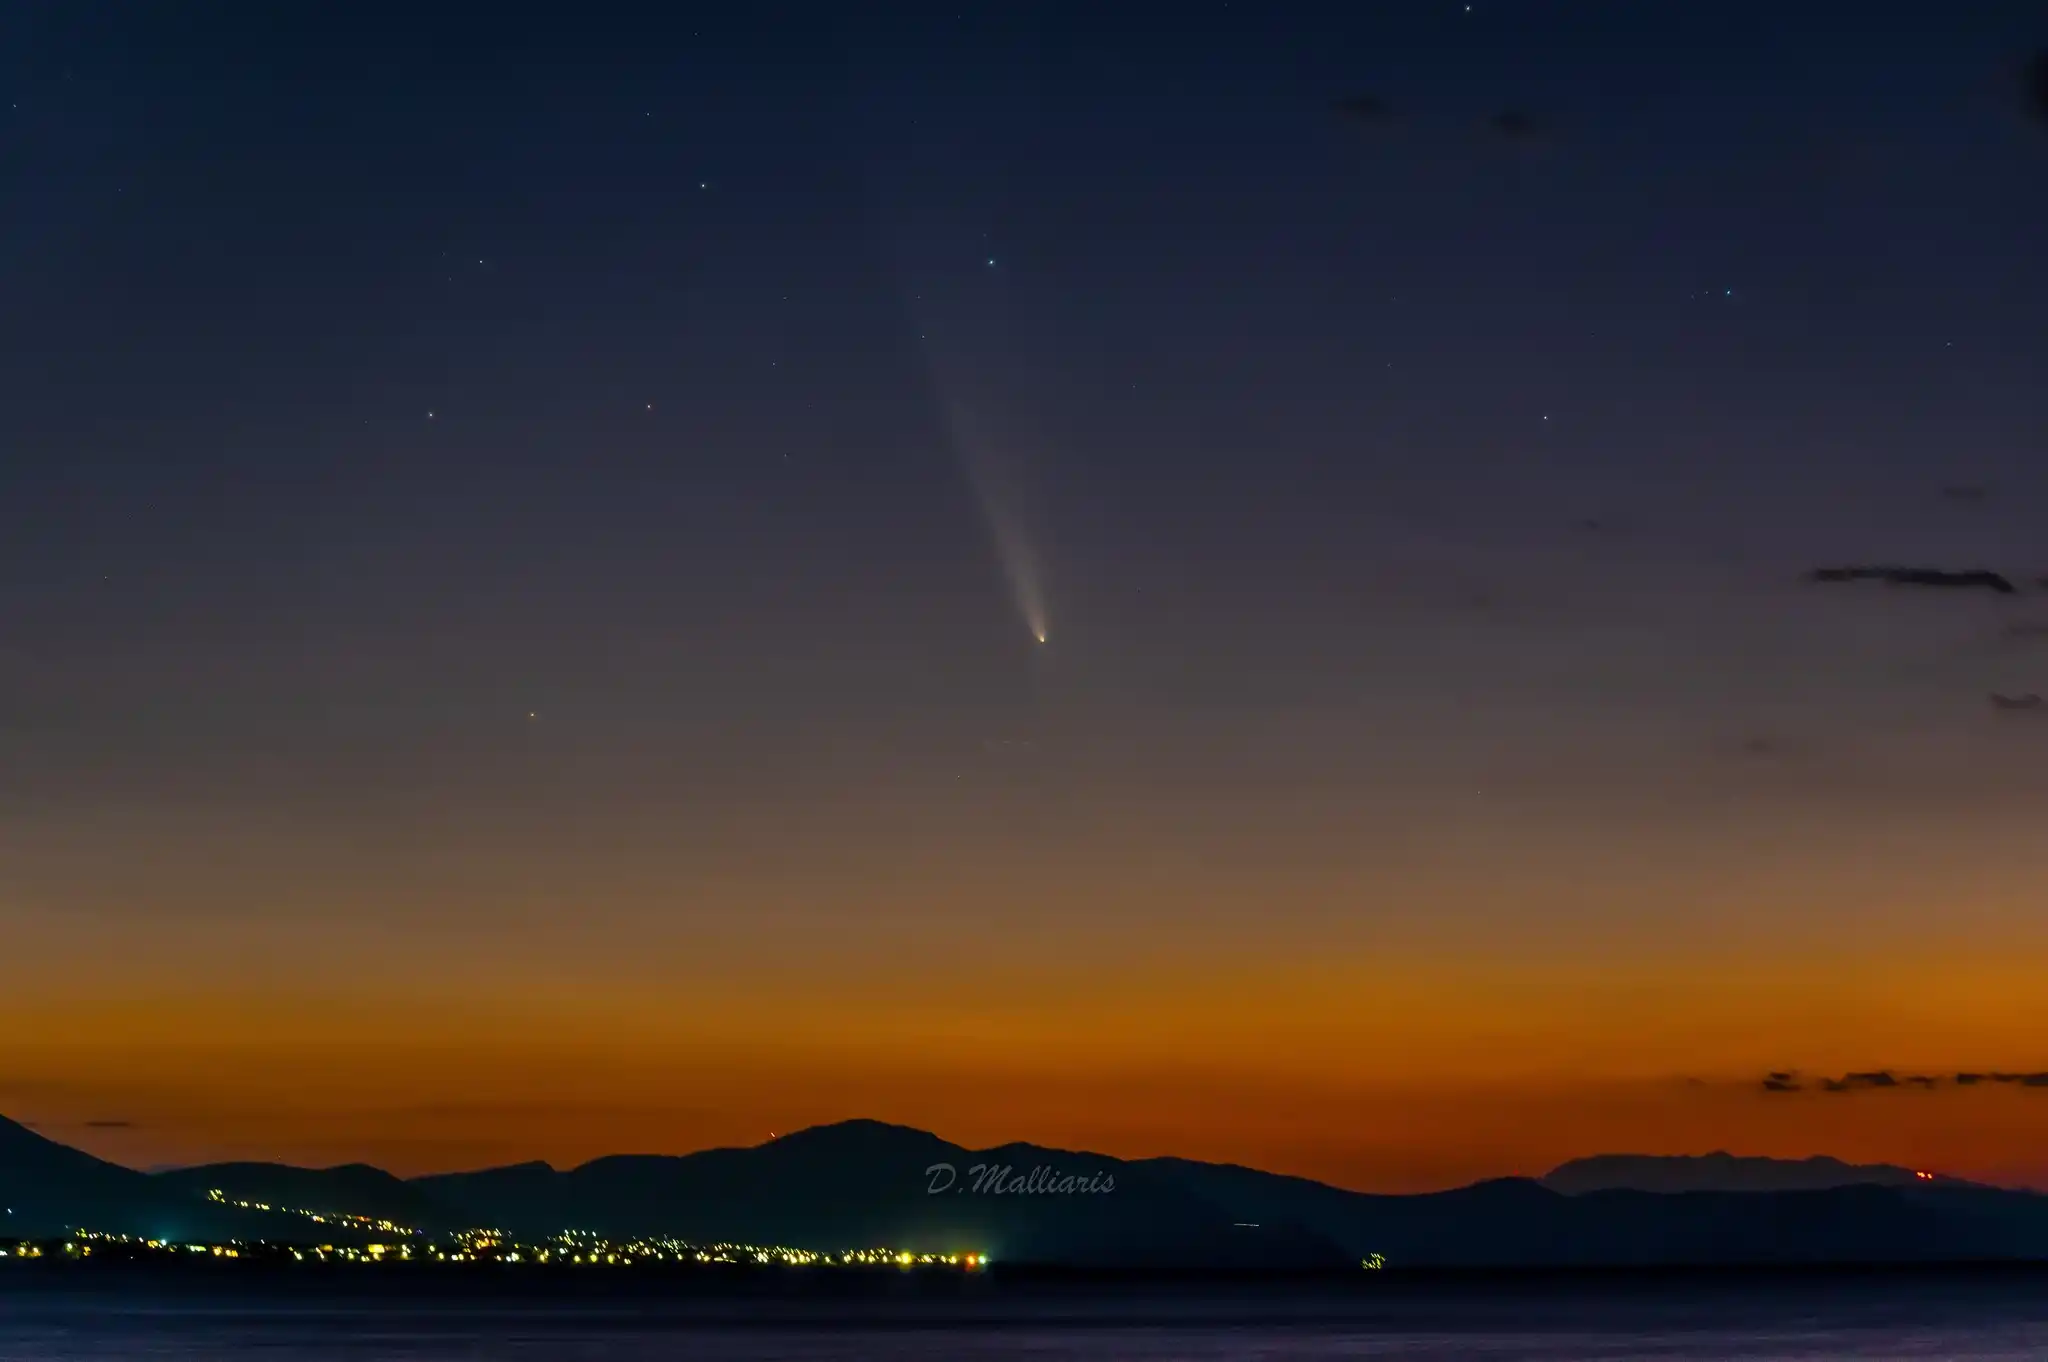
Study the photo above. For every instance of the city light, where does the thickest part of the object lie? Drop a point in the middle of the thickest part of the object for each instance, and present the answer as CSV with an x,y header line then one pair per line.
x,y
480,1246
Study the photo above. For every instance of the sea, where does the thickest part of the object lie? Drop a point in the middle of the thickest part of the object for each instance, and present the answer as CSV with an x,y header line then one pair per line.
x,y
1949,1316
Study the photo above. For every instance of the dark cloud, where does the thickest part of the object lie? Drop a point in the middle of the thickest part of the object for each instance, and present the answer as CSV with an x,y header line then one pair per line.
x,y
1369,109
111,1125
2015,704
1968,579
2034,86
1882,1080
1968,494
1769,749
1516,126
2025,631
1479,600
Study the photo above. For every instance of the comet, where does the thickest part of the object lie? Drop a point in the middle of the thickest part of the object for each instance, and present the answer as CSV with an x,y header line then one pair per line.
x,y
960,347
1019,563
993,470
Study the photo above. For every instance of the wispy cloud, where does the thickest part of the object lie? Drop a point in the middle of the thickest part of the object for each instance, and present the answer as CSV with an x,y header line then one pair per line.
x,y
2034,86
1369,109
1887,1080
1981,579
1516,126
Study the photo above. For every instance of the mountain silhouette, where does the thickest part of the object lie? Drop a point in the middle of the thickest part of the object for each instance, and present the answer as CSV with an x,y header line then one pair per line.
x,y
47,1188
1723,1172
867,1184
354,1189
864,1183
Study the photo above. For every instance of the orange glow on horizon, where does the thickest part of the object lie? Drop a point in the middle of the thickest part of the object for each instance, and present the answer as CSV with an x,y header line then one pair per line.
x,y
1408,1073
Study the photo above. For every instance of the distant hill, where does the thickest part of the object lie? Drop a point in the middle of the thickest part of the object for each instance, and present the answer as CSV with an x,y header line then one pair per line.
x,y
48,1188
865,1184
1515,1222
354,1189
1722,1172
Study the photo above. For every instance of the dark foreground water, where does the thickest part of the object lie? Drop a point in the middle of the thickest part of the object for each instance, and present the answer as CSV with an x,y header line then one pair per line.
x,y
1951,1317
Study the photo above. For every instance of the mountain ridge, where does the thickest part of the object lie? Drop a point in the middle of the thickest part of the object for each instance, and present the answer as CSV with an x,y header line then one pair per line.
x,y
47,1187
1721,1171
871,1184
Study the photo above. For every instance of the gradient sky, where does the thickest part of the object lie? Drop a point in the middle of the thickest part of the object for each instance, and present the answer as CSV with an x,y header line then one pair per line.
x,y
522,535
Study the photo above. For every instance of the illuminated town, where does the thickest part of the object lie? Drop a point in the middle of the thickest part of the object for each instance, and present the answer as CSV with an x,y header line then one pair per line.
x,y
567,1248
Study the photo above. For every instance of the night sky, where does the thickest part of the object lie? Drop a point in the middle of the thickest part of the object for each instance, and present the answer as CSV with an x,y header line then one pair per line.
x,y
524,536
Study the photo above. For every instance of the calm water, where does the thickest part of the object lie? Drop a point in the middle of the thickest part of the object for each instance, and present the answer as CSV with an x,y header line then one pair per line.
x,y
1892,1318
